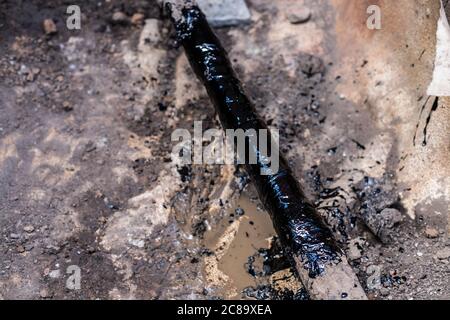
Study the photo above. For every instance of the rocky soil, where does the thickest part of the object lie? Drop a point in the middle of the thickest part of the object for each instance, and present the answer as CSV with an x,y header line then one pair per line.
x,y
87,178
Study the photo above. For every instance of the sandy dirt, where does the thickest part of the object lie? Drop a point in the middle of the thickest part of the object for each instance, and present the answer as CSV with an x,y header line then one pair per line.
x,y
87,178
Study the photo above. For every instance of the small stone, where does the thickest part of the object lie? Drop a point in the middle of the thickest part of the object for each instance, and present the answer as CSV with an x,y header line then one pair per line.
x,y
90,146
431,233
54,274
239,211
137,19
354,249
20,249
28,228
384,292
137,243
299,16
49,27
443,254
35,71
386,224
67,106
23,70
44,293
119,18
14,236
30,77
225,13
32,74
52,249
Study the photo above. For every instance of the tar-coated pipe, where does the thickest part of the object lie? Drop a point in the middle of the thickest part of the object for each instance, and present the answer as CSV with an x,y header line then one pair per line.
x,y
321,264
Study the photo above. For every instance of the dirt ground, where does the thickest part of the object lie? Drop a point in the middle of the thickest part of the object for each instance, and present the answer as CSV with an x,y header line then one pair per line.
x,y
87,178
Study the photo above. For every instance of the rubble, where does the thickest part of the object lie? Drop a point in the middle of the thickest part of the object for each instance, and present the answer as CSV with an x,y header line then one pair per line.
x,y
225,13
377,200
299,16
431,233
439,85
443,254
49,27
354,251
28,228
119,17
137,19
67,106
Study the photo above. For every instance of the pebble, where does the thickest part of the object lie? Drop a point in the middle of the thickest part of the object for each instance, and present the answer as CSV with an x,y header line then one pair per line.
x,y
35,71
119,17
225,13
44,293
389,218
299,16
14,236
49,27
443,254
239,211
28,228
30,77
67,106
52,249
384,292
54,274
431,233
137,19
354,253
137,243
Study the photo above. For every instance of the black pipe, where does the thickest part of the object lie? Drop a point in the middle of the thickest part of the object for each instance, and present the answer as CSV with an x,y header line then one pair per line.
x,y
296,221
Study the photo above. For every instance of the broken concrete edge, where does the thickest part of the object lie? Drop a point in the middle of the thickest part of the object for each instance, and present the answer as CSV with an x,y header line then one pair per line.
x,y
219,13
440,84
225,13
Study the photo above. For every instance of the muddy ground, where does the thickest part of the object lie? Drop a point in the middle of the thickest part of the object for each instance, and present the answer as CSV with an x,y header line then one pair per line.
x,y
87,178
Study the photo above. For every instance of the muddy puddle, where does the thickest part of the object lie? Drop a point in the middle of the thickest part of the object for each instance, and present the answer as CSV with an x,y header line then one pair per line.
x,y
249,255
252,230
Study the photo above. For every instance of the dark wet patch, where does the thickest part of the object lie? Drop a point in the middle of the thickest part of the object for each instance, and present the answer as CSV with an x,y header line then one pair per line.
x,y
268,261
